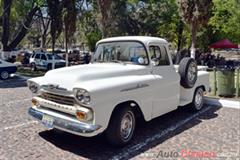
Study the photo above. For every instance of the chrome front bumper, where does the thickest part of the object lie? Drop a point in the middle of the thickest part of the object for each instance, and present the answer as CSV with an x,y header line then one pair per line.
x,y
66,123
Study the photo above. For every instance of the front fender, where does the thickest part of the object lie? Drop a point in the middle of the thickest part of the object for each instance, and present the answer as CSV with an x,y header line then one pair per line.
x,y
106,94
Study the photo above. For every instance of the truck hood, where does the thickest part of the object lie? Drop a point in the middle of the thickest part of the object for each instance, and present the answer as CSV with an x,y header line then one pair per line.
x,y
68,77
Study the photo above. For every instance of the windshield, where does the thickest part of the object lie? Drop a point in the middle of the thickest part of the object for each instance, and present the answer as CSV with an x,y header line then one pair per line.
x,y
122,52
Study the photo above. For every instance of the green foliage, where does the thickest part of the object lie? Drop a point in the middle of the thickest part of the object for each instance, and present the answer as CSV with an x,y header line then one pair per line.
x,y
195,12
156,18
92,38
160,18
226,19
89,31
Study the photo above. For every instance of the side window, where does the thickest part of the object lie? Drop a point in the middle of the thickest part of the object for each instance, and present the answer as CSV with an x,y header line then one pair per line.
x,y
155,52
164,60
37,56
44,57
155,55
159,55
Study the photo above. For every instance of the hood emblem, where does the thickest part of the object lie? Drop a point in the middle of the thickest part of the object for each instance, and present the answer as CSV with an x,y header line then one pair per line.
x,y
53,87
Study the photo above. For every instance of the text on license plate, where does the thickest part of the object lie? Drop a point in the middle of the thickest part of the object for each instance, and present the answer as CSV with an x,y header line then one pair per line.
x,y
47,121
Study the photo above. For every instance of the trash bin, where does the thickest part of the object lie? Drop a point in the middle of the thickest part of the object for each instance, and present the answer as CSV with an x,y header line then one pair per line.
x,y
225,82
237,82
212,81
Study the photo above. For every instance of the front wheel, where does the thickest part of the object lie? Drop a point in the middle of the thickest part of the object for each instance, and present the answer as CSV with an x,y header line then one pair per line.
x,y
4,75
197,102
121,127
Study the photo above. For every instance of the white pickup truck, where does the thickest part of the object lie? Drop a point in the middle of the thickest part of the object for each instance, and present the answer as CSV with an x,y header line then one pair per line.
x,y
129,78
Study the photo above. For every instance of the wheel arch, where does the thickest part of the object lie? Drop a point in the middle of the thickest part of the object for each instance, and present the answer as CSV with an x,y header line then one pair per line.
x,y
131,103
201,86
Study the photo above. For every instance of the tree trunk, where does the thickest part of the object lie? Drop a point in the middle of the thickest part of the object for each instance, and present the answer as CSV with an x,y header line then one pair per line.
x,y
43,41
194,38
5,24
104,7
24,28
44,29
53,42
66,43
180,28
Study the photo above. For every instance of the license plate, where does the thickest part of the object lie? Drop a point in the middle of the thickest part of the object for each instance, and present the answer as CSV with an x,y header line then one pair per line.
x,y
47,121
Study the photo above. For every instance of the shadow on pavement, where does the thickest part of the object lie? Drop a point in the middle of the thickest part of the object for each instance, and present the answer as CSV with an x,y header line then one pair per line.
x,y
13,82
98,148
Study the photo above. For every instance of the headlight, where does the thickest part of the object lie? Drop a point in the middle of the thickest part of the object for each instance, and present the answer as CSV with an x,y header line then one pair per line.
x,y
34,87
82,95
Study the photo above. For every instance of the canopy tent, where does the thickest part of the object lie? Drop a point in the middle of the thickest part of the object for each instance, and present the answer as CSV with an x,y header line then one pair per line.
x,y
225,43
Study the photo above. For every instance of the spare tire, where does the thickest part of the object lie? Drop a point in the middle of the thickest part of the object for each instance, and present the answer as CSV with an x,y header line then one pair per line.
x,y
188,72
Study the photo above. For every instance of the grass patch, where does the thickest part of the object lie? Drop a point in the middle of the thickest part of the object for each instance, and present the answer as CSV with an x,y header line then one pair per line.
x,y
27,72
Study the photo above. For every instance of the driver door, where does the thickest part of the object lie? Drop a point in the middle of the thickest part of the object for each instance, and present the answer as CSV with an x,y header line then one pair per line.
x,y
166,83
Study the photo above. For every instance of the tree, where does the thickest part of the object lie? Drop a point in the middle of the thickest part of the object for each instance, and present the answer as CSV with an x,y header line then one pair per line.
x,y
5,23
88,27
44,22
195,13
55,13
226,19
31,7
70,16
104,7
154,18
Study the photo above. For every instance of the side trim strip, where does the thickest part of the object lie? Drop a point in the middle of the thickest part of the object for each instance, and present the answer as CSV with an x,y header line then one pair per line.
x,y
138,86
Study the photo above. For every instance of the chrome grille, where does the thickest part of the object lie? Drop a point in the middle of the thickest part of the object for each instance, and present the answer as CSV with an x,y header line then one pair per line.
x,y
66,100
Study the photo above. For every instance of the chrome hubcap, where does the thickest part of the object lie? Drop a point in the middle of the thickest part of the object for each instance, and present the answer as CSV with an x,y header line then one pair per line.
x,y
191,71
199,99
127,125
4,75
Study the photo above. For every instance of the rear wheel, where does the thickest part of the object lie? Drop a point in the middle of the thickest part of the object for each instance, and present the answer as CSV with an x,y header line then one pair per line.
x,y
197,102
4,75
121,127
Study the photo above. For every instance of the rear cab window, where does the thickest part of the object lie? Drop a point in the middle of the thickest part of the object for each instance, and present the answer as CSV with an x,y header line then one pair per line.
x,y
159,53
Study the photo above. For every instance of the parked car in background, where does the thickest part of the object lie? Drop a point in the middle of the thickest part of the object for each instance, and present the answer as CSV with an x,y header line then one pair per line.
x,y
6,69
85,57
46,61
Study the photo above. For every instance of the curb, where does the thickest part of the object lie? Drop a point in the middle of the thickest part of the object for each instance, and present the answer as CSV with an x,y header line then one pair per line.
x,y
222,102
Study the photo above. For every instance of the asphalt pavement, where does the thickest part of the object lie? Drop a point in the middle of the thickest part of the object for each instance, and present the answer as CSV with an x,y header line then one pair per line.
x,y
212,133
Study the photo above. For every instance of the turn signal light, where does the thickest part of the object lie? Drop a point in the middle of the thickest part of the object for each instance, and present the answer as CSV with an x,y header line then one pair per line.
x,y
34,102
81,115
